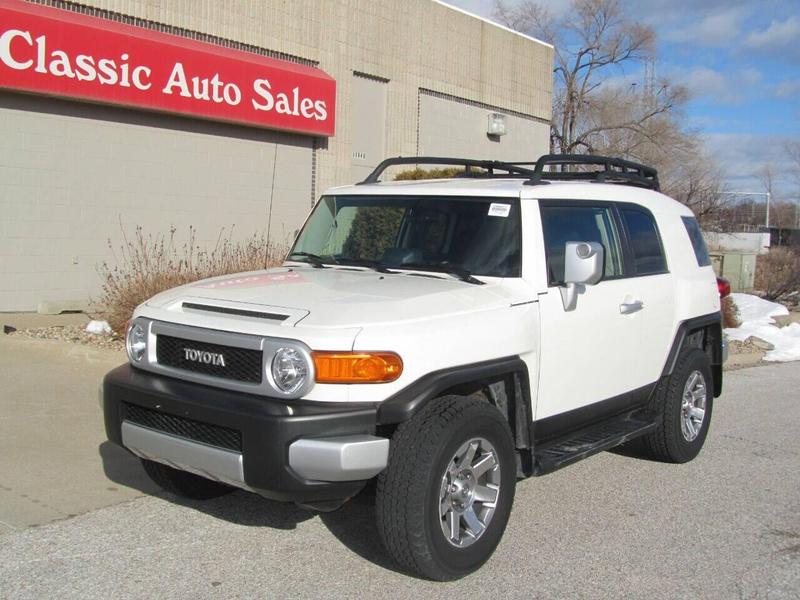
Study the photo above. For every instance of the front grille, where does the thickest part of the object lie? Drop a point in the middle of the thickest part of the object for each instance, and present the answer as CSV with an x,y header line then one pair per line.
x,y
213,435
240,364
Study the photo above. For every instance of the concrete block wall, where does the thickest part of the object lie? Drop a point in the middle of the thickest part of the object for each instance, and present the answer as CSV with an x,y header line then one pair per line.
x,y
415,44
73,176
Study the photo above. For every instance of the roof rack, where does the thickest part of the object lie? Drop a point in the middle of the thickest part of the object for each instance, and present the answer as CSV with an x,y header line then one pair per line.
x,y
614,170
489,166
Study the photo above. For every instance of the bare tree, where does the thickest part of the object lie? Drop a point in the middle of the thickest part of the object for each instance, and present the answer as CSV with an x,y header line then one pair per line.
x,y
592,42
793,151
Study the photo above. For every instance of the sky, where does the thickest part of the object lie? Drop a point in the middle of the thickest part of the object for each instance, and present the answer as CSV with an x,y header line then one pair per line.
x,y
740,60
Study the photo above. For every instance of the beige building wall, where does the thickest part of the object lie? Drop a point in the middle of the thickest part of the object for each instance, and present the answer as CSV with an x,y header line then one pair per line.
x,y
411,76
414,44
74,176
450,127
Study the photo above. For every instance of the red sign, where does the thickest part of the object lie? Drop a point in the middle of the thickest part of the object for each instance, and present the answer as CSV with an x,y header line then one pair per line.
x,y
61,53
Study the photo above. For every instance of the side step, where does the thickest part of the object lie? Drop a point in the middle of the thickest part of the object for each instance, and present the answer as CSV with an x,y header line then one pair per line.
x,y
551,456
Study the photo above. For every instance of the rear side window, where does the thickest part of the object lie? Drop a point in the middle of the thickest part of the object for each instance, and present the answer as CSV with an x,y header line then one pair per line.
x,y
698,243
648,254
562,224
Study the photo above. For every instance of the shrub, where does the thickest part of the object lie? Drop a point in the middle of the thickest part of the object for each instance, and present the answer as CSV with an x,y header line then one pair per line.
x,y
149,264
778,273
447,173
730,313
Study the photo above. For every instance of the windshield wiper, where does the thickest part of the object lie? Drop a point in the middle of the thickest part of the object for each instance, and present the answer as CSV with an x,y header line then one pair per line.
x,y
316,261
365,262
455,270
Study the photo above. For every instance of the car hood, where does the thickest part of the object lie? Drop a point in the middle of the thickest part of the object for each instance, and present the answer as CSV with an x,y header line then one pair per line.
x,y
335,297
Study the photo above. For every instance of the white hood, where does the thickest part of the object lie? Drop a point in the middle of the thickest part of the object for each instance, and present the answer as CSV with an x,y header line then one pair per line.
x,y
337,297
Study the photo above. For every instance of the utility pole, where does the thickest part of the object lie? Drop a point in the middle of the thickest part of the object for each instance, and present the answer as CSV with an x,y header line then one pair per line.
x,y
767,195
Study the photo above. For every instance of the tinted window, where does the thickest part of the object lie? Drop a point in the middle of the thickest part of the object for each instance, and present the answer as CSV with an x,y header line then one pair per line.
x,y
564,224
698,243
481,235
648,255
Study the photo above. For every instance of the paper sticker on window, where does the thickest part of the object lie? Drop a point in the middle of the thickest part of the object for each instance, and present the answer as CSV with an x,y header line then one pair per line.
x,y
499,210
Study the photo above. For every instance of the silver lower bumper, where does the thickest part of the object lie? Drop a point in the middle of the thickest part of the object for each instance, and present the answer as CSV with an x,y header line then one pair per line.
x,y
345,458
211,463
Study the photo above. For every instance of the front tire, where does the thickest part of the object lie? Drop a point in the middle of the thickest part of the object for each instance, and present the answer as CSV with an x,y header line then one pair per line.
x,y
686,399
182,483
444,499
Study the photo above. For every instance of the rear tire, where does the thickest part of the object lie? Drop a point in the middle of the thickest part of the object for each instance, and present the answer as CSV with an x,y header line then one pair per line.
x,y
444,499
686,400
182,483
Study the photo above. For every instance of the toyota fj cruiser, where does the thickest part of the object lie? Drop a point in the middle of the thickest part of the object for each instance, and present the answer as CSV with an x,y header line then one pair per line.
x,y
447,337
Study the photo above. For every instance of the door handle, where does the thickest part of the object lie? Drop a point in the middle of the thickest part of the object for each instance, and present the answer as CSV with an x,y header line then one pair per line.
x,y
627,308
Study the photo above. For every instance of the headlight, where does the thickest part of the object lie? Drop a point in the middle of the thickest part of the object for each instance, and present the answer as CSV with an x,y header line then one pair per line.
x,y
289,370
136,342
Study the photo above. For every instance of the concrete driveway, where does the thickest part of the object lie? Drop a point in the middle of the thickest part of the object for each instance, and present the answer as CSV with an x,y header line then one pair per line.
x,y
55,461
724,526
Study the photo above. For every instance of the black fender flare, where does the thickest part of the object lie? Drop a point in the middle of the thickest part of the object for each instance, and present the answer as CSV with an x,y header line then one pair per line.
x,y
404,404
712,322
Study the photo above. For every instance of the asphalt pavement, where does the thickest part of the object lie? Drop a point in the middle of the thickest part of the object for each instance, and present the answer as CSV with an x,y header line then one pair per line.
x,y
726,525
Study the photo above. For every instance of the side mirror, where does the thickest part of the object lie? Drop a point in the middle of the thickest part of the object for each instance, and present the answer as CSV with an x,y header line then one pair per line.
x,y
583,265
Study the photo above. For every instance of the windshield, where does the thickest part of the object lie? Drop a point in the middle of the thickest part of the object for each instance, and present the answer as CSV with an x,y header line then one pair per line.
x,y
480,236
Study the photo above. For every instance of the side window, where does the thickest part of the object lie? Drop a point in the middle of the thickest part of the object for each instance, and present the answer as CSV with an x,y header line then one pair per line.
x,y
698,243
564,224
648,255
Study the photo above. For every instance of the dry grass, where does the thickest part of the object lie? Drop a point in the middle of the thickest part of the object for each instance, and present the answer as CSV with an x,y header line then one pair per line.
x,y
730,313
778,273
151,263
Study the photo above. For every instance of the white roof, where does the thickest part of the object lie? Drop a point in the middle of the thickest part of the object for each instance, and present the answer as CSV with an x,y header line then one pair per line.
x,y
516,188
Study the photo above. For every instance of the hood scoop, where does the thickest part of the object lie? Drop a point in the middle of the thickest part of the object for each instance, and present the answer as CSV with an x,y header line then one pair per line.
x,y
239,312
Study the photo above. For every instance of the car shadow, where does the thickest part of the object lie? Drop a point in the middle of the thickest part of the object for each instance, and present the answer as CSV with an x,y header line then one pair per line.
x,y
353,524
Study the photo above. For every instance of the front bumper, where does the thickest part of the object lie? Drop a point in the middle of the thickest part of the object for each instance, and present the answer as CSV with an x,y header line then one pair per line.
x,y
285,450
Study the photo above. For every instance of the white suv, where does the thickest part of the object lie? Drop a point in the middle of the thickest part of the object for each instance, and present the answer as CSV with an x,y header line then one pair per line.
x,y
447,337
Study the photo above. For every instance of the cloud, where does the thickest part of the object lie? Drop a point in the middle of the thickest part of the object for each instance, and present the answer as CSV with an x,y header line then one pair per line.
x,y
717,29
788,88
734,88
741,155
780,37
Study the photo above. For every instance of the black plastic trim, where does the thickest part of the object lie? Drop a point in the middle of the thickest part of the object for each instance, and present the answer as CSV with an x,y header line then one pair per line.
x,y
566,423
405,403
267,425
235,311
713,320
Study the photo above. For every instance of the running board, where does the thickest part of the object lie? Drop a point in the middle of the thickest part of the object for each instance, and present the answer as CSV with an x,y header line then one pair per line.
x,y
554,455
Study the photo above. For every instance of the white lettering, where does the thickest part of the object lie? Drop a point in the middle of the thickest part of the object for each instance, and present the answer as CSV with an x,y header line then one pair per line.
x,y
200,88
216,84
41,51
60,65
124,67
306,108
177,79
5,49
136,77
84,68
262,89
322,110
232,94
108,72
282,105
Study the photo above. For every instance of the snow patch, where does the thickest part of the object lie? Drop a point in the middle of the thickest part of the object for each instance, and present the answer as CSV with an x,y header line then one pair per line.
x,y
757,321
98,328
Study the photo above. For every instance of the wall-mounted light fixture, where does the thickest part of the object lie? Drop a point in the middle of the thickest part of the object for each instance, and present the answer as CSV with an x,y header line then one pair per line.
x,y
497,124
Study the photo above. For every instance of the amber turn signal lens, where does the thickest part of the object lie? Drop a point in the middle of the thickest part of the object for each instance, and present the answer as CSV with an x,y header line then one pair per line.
x,y
356,367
